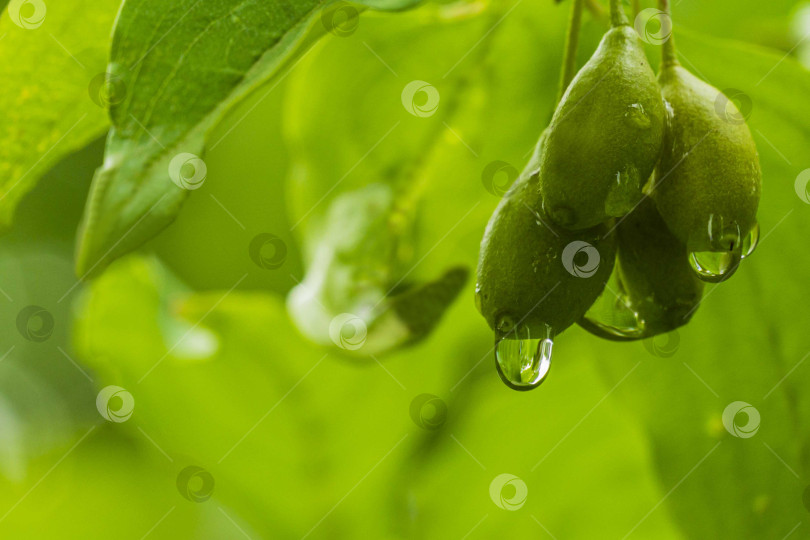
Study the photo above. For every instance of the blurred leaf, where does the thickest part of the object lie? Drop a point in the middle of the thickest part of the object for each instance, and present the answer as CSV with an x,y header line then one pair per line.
x,y
356,283
227,49
269,415
105,482
49,61
208,245
43,393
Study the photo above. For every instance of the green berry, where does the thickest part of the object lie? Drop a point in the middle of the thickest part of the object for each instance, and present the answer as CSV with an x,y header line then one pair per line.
x,y
655,272
605,136
535,276
709,180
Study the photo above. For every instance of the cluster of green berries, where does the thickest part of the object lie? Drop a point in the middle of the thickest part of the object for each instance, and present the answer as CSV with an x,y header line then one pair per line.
x,y
637,193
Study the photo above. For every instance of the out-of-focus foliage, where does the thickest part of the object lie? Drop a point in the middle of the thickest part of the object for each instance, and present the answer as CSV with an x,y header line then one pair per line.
x,y
52,62
160,120
302,440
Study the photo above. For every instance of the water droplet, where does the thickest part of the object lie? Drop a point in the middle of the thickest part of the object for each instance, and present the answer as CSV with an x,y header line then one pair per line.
x,y
751,241
715,266
722,260
636,115
614,317
523,362
723,235
478,299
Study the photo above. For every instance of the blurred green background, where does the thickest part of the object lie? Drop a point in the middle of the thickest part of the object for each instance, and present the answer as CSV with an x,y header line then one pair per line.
x,y
293,439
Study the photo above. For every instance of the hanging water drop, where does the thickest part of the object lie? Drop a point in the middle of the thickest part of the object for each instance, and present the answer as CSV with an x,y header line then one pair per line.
x,y
715,266
719,263
523,362
751,241
613,316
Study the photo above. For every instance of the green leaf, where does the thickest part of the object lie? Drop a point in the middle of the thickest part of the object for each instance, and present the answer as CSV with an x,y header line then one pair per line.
x,y
183,66
51,60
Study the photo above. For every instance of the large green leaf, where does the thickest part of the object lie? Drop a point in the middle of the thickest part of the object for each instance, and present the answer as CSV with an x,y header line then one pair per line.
x,y
183,65
52,62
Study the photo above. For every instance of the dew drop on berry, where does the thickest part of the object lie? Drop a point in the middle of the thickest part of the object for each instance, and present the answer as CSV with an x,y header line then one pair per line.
x,y
523,361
